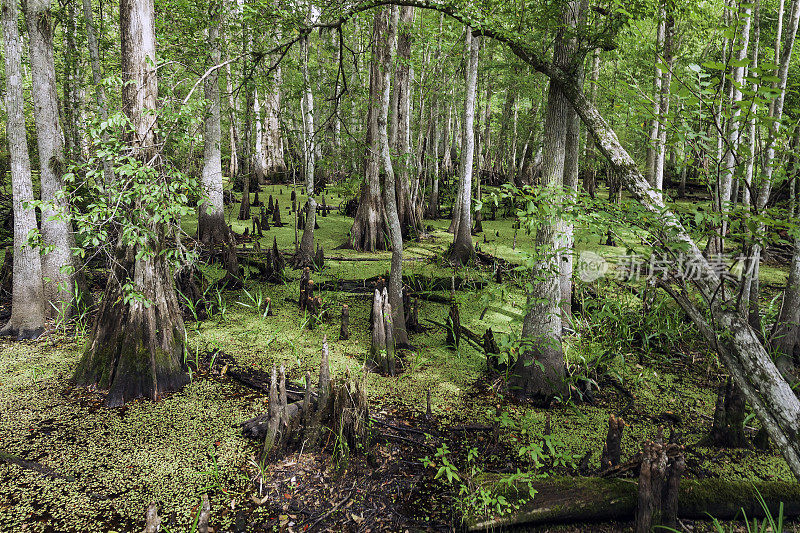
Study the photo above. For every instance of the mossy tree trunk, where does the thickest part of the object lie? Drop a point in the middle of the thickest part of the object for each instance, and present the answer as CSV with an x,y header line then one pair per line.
x,y
370,232
136,346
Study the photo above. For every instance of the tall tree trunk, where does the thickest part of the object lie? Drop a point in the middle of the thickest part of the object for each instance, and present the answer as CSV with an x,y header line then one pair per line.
x,y
409,221
273,146
233,134
58,265
389,188
211,227
764,187
306,252
657,77
260,157
136,347
369,232
664,99
463,250
97,79
246,162
27,297
733,134
538,372
71,104
590,178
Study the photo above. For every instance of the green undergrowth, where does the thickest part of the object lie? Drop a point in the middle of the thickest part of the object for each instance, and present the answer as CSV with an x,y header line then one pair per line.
x,y
188,443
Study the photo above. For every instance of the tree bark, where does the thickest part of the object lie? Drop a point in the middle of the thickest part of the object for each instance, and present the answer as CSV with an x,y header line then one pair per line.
x,y
463,251
409,221
305,255
369,232
398,319
538,373
58,264
136,347
654,123
211,227
27,300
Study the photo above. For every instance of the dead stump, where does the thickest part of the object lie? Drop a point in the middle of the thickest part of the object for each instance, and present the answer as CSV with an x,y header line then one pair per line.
x,y
727,430
661,468
344,330
612,450
381,357
453,326
337,405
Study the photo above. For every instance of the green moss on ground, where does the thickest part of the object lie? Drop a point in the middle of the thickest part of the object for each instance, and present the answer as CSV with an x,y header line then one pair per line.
x,y
123,459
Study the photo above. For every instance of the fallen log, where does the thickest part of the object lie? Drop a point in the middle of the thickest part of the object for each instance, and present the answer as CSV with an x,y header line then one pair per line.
x,y
569,500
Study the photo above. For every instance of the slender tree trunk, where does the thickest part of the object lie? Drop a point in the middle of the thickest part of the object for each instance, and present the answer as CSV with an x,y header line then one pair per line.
x,y
70,104
58,265
246,162
733,136
273,145
211,227
657,77
463,250
590,179
664,100
306,252
233,135
389,195
136,347
27,296
97,79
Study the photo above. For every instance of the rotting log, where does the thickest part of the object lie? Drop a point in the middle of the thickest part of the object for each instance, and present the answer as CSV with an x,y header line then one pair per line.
x,y
564,500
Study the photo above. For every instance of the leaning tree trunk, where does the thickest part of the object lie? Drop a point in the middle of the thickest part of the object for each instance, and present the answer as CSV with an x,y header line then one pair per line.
x,y
463,250
390,200
136,347
58,264
305,255
739,345
27,300
369,232
211,227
